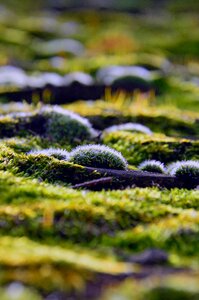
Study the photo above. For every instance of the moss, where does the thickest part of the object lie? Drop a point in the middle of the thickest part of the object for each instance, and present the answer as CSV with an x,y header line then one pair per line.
x,y
63,125
52,124
139,147
23,145
163,124
58,153
51,267
98,156
152,166
177,235
119,109
53,228
186,170
50,213
157,288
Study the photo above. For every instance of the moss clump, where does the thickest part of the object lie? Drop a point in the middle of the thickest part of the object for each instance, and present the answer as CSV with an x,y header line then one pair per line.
x,y
52,123
132,127
60,154
185,169
38,143
152,166
139,147
98,156
121,109
48,169
65,125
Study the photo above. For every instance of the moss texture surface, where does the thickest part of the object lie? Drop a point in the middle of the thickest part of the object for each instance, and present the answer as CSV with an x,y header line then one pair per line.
x,y
58,242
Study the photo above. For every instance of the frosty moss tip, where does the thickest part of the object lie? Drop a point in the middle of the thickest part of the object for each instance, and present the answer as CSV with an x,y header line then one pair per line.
x,y
154,166
98,156
132,127
186,169
62,124
60,154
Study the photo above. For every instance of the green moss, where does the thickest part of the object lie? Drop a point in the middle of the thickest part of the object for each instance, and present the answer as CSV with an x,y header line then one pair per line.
x,y
178,235
157,288
51,267
162,117
98,156
139,147
45,222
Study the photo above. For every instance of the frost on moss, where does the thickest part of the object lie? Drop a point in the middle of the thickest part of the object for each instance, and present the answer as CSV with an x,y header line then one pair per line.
x,y
132,127
187,169
152,166
63,125
98,156
60,154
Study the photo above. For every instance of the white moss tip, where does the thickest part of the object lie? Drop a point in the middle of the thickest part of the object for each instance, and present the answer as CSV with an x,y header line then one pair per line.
x,y
58,153
100,156
84,122
190,167
132,127
152,166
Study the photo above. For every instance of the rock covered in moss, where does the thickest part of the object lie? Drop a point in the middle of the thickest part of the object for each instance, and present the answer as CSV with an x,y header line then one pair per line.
x,y
60,154
186,169
98,156
64,125
132,127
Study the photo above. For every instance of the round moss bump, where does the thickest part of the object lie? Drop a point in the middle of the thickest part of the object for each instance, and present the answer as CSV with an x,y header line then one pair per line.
x,y
98,156
64,125
154,166
60,154
132,127
186,169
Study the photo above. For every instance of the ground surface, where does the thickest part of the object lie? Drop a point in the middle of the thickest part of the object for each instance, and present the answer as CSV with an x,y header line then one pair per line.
x,y
65,243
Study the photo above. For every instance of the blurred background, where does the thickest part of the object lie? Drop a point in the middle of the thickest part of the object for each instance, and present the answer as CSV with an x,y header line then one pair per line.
x,y
128,5
71,43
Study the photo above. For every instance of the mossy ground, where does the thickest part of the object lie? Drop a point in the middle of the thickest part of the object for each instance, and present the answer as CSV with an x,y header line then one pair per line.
x,y
55,239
